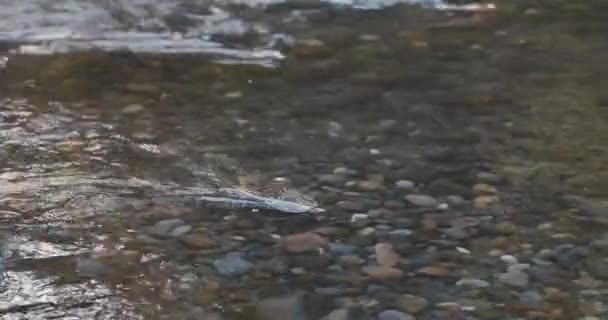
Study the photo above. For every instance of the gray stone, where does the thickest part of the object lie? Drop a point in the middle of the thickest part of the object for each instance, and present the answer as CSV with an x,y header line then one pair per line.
x,y
164,227
394,315
516,279
401,233
180,231
455,201
405,184
342,249
232,265
472,282
421,200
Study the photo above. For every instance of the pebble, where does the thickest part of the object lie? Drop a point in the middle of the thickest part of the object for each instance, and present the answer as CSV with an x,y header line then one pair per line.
x,y
198,241
516,279
133,108
164,227
483,202
383,273
455,201
434,271
394,315
369,185
421,200
472,282
335,180
400,233
385,255
508,259
405,184
180,231
350,261
342,249
358,217
232,265
482,188
304,242
411,303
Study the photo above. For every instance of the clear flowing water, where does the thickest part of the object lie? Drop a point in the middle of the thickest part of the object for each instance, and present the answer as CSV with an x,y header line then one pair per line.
x,y
462,136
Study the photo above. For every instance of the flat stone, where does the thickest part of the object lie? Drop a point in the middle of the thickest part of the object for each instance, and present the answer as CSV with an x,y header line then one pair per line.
x,y
342,249
400,233
386,255
483,202
133,109
421,200
472,282
198,241
232,265
516,279
405,184
410,303
304,242
338,314
455,201
180,231
164,227
394,315
434,271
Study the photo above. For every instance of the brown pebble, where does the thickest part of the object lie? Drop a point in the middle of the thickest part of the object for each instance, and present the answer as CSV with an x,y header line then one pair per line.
x,y
304,242
382,273
434,271
199,241
386,255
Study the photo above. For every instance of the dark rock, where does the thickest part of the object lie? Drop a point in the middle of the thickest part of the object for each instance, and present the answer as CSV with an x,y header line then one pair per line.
x,y
342,249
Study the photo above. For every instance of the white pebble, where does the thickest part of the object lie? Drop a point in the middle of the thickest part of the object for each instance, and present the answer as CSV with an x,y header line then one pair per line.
x,y
508,259
463,250
358,216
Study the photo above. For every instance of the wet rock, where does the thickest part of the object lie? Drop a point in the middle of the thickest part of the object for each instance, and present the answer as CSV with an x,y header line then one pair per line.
x,y
382,273
352,205
232,265
198,241
90,267
336,180
394,315
472,282
569,256
180,231
164,227
421,200
455,201
405,184
514,278
400,233
386,255
410,303
350,261
342,249
304,242
508,259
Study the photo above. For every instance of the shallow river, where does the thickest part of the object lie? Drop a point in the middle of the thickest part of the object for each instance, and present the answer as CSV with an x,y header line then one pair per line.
x,y
303,160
